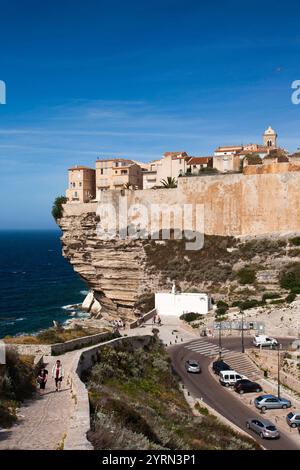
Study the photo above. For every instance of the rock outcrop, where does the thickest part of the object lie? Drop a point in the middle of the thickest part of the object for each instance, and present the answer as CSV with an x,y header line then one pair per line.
x,y
114,270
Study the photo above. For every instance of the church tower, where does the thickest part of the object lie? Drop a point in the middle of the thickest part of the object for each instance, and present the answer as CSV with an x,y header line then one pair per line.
x,y
270,138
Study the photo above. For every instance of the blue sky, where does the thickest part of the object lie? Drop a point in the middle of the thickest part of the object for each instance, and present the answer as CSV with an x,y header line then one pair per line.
x,y
136,79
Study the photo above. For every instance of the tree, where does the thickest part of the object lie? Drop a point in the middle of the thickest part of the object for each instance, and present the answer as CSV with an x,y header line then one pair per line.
x,y
169,183
57,210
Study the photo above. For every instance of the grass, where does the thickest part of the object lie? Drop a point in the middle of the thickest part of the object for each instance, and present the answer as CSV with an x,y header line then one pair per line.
x,y
136,404
54,335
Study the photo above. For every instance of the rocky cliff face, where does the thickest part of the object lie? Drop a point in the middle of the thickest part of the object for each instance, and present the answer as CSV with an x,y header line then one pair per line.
x,y
124,274
114,270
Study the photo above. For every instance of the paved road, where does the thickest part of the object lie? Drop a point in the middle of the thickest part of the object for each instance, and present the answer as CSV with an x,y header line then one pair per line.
x,y
222,400
235,343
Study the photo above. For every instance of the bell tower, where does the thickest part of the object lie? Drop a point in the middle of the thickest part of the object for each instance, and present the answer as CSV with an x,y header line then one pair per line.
x,y
270,138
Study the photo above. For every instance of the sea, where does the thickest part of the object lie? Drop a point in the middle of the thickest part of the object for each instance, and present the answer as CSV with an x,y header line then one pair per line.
x,y
37,285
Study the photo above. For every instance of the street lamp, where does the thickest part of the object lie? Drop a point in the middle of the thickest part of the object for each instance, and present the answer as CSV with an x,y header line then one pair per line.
x,y
243,345
278,370
220,340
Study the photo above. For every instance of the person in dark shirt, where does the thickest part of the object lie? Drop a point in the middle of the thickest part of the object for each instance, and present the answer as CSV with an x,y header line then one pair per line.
x,y
42,379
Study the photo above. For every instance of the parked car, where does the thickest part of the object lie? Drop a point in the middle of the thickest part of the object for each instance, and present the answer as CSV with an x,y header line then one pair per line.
x,y
293,419
265,428
263,340
229,377
220,365
246,386
193,366
270,402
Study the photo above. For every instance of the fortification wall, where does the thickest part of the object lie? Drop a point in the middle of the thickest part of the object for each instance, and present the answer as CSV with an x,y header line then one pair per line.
x,y
234,204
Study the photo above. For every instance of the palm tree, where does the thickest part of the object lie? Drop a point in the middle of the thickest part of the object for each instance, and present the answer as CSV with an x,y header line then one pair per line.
x,y
169,183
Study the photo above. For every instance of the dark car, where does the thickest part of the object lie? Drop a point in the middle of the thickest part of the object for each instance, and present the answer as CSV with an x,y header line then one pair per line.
x,y
220,365
246,386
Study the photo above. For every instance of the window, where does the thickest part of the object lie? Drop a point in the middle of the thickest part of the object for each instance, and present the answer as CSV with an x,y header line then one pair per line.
x,y
116,172
124,172
101,171
80,184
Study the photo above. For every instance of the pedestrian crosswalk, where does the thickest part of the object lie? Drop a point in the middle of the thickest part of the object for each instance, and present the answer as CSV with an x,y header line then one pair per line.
x,y
205,348
236,360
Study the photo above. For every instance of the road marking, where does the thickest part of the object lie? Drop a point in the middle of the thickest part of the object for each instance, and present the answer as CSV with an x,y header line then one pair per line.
x,y
205,348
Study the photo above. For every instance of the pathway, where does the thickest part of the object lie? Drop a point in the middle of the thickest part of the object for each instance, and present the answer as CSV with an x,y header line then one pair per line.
x,y
43,421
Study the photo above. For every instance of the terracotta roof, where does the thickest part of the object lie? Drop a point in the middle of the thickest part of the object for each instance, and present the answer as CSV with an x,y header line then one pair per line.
x,y
114,160
227,149
175,154
198,160
80,167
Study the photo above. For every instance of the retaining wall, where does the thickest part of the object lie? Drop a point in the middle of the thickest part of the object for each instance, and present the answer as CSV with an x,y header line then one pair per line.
x,y
58,348
80,423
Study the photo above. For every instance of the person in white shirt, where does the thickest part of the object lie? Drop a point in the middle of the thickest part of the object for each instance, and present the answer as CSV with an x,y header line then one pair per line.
x,y
58,374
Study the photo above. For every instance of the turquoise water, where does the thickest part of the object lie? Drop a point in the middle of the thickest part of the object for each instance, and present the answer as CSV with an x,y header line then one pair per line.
x,y
36,282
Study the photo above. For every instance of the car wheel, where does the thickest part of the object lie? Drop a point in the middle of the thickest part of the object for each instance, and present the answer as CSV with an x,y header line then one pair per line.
x,y
262,435
226,385
284,407
258,390
241,392
263,408
293,425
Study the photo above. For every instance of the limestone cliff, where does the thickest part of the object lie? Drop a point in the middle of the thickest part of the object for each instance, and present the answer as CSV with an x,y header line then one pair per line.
x,y
114,269
123,273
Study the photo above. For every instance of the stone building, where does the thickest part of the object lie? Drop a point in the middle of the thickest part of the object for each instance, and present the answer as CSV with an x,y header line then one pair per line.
x,y
172,164
117,173
270,138
81,184
228,158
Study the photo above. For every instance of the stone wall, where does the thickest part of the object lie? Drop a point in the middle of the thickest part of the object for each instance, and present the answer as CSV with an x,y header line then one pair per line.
x,y
58,348
234,204
76,438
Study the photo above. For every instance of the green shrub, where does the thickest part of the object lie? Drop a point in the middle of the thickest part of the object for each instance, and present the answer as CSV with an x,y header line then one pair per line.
x,y
291,297
295,290
270,295
221,311
277,301
221,303
249,303
246,276
295,241
191,316
17,383
57,210
290,277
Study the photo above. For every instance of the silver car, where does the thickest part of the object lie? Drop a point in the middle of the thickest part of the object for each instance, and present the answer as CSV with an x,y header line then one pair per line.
x,y
265,428
293,419
193,366
270,402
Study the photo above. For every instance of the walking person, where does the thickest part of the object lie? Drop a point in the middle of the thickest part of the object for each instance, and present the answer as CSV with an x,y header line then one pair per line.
x,y
58,374
42,379
158,320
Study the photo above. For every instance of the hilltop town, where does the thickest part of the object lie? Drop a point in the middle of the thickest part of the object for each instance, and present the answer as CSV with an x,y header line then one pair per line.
x,y
86,184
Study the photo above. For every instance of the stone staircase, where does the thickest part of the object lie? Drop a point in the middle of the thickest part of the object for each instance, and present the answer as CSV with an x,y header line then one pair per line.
x,y
241,363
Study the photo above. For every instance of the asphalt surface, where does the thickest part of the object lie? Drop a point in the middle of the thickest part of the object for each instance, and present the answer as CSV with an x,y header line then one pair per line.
x,y
222,400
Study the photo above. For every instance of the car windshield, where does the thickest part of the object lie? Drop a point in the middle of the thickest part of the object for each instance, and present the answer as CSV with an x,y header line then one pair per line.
x,y
290,415
193,363
259,398
271,428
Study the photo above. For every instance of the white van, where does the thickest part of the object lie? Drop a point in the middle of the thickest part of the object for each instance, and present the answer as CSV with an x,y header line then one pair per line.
x,y
229,377
263,340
